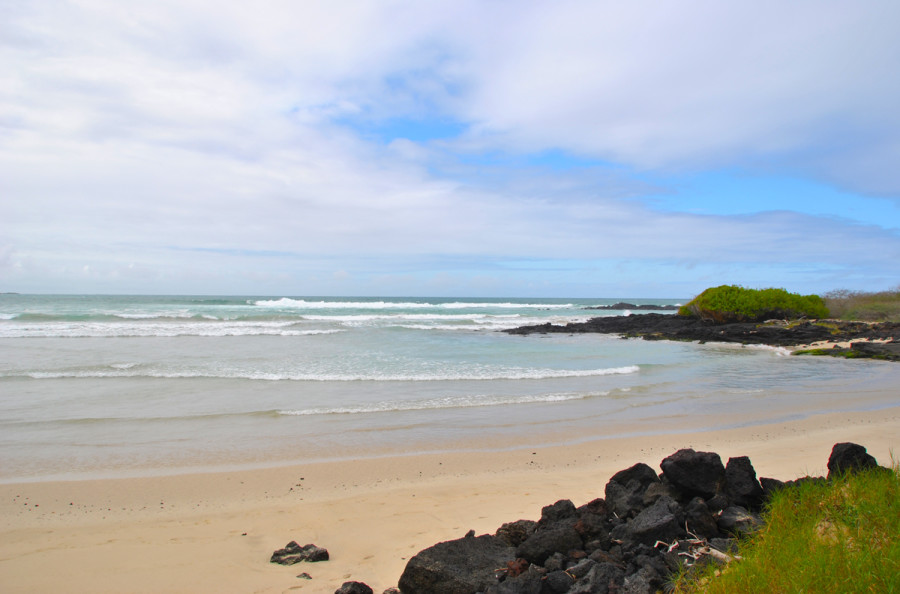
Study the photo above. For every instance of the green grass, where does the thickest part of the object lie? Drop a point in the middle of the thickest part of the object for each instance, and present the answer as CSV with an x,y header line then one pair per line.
x,y
839,536
730,303
882,306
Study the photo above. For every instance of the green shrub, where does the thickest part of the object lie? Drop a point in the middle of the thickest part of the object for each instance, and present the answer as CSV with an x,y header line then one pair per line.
x,y
841,535
730,303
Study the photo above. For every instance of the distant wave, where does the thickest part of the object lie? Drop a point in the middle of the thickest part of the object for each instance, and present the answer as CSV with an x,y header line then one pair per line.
x,y
441,403
160,330
125,371
286,302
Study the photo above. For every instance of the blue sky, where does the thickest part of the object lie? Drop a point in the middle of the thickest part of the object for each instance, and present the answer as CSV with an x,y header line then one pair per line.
x,y
576,148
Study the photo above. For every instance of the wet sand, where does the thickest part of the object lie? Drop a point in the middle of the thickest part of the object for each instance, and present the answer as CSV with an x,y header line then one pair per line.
x,y
214,532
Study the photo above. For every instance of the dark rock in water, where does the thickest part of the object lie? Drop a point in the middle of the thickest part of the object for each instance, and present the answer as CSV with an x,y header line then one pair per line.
x,y
551,538
849,457
461,566
354,588
293,553
622,305
738,520
740,483
515,533
656,326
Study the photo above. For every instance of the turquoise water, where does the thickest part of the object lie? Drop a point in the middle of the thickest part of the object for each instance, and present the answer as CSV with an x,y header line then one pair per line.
x,y
110,386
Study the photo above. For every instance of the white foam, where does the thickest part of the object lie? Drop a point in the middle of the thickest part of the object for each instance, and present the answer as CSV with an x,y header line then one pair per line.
x,y
442,403
286,302
462,375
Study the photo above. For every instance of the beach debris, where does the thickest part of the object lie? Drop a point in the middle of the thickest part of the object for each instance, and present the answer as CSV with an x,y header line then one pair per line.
x,y
293,553
354,588
304,576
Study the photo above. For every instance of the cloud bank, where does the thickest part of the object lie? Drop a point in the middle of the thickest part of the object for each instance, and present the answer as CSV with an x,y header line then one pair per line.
x,y
503,148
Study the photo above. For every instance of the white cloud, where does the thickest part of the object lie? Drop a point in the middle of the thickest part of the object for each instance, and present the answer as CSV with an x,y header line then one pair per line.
x,y
198,142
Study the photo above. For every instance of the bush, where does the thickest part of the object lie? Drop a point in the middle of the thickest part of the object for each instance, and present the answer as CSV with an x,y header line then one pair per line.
x,y
730,303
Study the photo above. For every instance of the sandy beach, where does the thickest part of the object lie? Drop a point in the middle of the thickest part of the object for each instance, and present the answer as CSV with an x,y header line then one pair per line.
x,y
214,532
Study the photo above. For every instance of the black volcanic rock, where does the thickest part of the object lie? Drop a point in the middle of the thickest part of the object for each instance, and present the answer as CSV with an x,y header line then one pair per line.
x,y
515,533
625,490
354,588
670,521
461,566
741,484
735,519
622,305
700,520
662,521
849,457
656,326
694,473
563,508
548,539
293,553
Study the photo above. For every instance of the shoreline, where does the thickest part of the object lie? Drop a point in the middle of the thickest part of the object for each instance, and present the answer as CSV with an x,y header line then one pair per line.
x,y
215,531
691,423
881,337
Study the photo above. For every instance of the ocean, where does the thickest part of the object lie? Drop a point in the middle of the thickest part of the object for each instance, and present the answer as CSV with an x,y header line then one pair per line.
x,y
106,386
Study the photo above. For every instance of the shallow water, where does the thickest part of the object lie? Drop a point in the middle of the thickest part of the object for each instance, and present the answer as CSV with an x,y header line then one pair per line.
x,y
111,386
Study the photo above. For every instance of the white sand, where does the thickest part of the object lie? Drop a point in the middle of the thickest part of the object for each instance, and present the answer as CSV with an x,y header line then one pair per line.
x,y
215,532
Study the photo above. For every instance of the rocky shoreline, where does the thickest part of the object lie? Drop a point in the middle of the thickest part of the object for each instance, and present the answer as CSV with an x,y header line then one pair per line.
x,y
655,326
647,526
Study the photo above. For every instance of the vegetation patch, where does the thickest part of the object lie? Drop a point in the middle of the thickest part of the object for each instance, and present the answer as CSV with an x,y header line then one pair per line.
x,y
882,306
841,535
731,303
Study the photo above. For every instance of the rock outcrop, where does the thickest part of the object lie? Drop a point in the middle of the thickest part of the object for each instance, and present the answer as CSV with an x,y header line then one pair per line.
x,y
648,526
293,553
655,326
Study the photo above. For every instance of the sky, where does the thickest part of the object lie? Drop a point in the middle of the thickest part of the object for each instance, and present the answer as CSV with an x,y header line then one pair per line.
x,y
448,148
